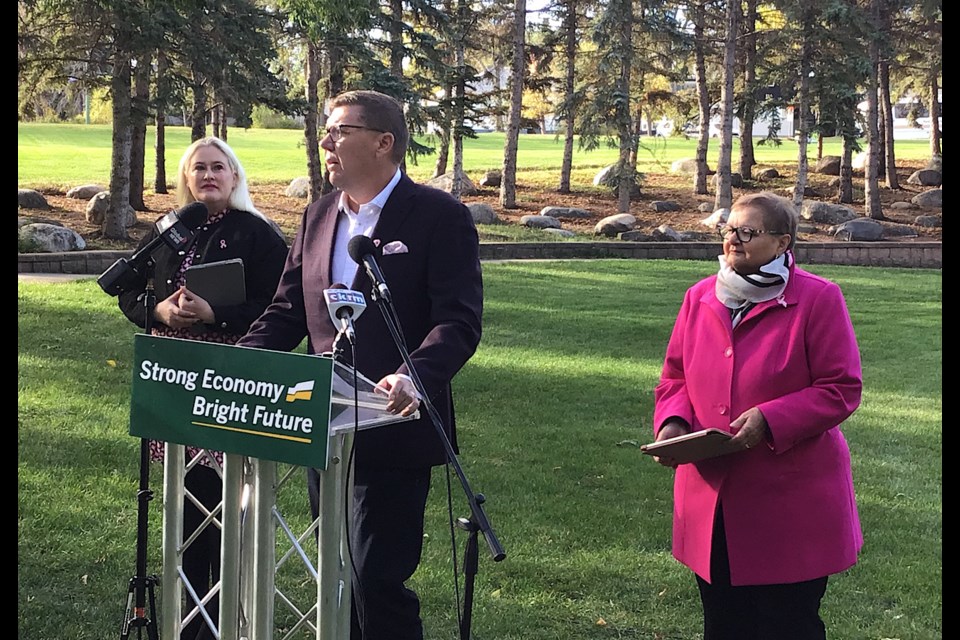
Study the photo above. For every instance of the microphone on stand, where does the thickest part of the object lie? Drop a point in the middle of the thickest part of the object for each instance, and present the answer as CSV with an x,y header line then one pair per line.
x,y
176,230
344,306
363,252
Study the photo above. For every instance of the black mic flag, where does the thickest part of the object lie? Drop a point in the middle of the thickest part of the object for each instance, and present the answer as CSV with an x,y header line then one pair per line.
x,y
175,229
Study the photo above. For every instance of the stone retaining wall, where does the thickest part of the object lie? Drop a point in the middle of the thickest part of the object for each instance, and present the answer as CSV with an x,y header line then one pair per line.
x,y
926,255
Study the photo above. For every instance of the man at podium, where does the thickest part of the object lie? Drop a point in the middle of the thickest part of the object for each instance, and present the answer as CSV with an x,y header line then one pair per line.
x,y
427,249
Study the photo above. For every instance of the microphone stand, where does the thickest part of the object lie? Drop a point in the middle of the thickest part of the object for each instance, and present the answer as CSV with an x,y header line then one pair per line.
x,y
142,586
477,522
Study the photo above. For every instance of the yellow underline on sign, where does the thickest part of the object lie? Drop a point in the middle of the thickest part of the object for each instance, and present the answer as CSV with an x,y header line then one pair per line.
x,y
275,436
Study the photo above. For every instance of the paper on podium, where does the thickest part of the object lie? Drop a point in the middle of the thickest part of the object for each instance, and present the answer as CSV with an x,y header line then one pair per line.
x,y
371,404
690,447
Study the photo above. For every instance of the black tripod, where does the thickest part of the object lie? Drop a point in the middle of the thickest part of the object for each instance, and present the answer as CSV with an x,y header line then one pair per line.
x,y
142,587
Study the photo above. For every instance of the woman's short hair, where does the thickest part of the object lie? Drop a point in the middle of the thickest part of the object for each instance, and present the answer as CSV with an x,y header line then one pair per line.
x,y
240,197
779,214
382,113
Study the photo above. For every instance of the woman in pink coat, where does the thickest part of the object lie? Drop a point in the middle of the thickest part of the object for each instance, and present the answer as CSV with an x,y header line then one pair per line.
x,y
764,351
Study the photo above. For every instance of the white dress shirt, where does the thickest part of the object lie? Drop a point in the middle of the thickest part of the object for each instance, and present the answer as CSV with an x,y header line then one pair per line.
x,y
343,269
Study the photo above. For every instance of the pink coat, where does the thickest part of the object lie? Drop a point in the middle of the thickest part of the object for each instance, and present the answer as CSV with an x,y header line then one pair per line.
x,y
789,507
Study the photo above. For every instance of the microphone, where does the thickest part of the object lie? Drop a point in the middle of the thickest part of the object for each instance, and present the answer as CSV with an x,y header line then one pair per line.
x,y
175,230
344,305
362,250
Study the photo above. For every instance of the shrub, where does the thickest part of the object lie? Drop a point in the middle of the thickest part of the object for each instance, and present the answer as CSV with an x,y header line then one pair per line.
x,y
264,117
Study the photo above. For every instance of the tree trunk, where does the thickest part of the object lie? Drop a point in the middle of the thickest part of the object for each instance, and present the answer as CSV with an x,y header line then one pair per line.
x,y
569,89
198,117
160,144
508,181
139,111
882,137
703,99
887,111
445,125
624,44
871,186
395,29
118,214
806,57
747,158
335,86
459,98
845,190
311,132
724,199
936,149
224,129
215,120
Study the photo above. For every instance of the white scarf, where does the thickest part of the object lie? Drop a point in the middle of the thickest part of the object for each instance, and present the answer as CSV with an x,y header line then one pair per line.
x,y
735,290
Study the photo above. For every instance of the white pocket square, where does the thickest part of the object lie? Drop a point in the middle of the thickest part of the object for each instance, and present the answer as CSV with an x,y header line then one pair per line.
x,y
395,247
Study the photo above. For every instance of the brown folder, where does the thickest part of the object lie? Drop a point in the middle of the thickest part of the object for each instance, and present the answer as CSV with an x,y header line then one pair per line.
x,y
690,447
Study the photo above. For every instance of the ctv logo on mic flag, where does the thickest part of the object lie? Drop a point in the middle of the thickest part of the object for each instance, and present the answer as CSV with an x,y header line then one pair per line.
x,y
344,296
300,391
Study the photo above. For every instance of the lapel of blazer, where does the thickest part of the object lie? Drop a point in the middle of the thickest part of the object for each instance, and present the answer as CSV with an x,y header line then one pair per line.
x,y
327,233
398,208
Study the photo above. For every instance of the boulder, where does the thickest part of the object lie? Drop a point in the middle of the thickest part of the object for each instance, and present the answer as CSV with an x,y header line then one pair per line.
x,y
85,192
445,183
686,165
926,178
894,230
615,224
51,238
736,180
705,207
768,173
859,230
634,236
664,205
30,199
826,213
932,199
98,206
540,222
716,219
298,188
482,213
491,178
936,164
665,233
903,206
928,221
828,166
607,177
565,212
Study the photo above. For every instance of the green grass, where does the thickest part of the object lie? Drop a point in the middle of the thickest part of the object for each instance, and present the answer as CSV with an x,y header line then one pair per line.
x,y
550,411
66,155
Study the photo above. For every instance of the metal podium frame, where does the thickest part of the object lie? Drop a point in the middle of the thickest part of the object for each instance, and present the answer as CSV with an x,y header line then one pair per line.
x,y
249,521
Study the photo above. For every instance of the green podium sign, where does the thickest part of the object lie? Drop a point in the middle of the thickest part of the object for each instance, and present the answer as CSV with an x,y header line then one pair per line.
x,y
253,402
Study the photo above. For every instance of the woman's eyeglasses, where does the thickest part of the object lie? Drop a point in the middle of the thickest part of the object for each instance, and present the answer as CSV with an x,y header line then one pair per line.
x,y
336,131
744,234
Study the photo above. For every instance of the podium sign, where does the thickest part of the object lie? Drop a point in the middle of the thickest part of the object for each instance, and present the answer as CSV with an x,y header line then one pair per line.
x,y
253,402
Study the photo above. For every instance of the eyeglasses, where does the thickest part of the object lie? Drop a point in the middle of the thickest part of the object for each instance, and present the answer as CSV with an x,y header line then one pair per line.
x,y
744,234
336,131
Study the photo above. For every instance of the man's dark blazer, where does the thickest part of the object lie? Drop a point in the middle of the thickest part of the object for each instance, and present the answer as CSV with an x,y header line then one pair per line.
x,y
437,291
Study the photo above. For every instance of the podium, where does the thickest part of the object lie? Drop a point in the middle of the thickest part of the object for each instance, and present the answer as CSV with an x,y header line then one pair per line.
x,y
263,409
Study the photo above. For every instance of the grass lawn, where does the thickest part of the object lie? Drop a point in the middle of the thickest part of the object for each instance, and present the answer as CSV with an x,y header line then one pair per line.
x,y
551,412
67,155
